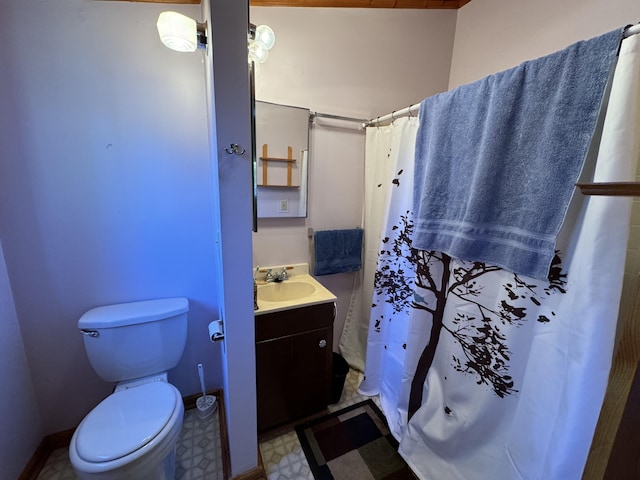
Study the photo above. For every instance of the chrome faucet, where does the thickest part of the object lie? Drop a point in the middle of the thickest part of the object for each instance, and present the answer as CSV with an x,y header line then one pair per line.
x,y
283,275
277,277
269,276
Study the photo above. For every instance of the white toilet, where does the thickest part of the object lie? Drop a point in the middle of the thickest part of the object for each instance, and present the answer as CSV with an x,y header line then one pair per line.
x,y
133,432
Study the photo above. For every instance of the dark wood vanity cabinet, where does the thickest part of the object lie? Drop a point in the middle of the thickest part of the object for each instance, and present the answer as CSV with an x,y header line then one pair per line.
x,y
293,363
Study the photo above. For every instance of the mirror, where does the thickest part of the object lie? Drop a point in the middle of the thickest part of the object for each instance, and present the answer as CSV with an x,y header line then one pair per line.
x,y
282,151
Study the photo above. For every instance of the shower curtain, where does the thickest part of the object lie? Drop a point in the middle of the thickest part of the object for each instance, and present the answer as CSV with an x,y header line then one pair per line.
x,y
517,367
382,148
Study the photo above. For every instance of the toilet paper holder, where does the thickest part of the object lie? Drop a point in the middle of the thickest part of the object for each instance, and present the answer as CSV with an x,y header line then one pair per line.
x,y
216,331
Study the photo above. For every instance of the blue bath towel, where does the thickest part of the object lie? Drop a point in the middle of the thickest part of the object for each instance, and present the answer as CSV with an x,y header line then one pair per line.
x,y
338,251
497,159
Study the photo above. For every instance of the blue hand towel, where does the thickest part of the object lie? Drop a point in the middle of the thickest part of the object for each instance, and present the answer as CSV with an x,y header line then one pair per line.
x,y
338,251
497,159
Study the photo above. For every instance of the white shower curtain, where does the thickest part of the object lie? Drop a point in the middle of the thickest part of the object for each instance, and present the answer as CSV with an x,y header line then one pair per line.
x,y
388,369
381,151
516,368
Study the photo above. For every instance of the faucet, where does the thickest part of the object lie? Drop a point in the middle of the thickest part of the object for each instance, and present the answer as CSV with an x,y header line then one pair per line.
x,y
269,276
278,277
283,275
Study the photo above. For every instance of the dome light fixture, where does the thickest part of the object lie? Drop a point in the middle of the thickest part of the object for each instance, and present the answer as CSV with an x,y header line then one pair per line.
x,y
181,33
261,40
265,36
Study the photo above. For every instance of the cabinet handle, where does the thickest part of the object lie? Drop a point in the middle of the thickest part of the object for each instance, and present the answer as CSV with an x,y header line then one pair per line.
x,y
322,343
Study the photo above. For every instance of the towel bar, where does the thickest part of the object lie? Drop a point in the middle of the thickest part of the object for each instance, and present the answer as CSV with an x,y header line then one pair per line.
x,y
311,232
618,189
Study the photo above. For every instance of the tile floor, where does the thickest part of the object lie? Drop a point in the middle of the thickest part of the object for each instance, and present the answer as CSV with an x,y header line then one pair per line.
x,y
198,453
282,454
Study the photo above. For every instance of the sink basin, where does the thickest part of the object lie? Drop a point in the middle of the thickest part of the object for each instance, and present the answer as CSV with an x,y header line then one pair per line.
x,y
301,290
285,291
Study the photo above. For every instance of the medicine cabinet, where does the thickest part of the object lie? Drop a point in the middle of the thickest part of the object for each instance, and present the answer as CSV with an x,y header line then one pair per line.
x,y
282,146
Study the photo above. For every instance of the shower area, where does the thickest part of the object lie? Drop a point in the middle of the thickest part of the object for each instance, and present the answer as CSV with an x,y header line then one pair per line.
x,y
468,355
475,356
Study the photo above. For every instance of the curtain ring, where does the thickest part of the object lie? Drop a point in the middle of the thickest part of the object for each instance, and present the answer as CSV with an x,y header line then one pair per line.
x,y
393,119
410,115
378,122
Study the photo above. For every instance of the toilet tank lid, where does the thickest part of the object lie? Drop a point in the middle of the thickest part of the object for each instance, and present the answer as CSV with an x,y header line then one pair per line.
x,y
111,316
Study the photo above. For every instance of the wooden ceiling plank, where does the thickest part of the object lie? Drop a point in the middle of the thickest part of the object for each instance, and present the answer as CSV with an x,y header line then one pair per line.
x,y
177,2
416,4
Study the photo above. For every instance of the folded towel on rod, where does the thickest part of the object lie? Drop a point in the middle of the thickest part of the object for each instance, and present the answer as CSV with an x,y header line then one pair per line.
x,y
337,251
497,159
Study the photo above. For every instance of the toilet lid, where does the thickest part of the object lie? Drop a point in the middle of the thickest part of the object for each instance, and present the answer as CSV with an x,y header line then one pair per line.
x,y
125,421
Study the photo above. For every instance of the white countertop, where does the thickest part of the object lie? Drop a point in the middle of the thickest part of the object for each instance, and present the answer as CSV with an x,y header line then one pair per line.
x,y
297,273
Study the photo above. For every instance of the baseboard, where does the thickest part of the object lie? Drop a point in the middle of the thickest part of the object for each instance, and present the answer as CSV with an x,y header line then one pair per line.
x,y
256,473
47,445
36,462
224,438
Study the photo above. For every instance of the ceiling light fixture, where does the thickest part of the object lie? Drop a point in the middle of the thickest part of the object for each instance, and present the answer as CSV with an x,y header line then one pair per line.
x,y
181,33
261,40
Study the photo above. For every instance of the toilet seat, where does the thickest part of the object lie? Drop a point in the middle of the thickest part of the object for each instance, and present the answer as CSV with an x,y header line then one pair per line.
x,y
125,421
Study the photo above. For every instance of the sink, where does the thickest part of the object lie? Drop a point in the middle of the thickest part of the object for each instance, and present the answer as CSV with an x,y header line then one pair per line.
x,y
301,290
286,291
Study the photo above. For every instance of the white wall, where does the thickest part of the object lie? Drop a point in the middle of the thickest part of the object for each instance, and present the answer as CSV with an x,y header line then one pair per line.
x,y
105,186
494,35
19,415
359,63
228,101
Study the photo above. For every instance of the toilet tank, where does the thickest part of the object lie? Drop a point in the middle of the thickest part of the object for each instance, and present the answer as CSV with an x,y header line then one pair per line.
x,y
133,340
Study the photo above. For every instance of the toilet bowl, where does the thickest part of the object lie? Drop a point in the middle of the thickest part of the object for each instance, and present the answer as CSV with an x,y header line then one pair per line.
x,y
131,434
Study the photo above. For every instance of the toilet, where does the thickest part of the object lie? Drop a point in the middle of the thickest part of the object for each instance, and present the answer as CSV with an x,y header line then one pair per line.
x,y
132,434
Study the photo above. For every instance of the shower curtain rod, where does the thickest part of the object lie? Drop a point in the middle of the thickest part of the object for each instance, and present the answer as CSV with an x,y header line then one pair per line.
x,y
313,115
632,30
415,108
411,111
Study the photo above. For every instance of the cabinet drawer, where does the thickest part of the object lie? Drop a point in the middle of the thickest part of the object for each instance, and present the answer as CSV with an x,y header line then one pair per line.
x,y
297,320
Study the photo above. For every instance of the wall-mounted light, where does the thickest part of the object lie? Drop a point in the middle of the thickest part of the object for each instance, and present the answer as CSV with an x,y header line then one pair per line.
x,y
261,40
181,33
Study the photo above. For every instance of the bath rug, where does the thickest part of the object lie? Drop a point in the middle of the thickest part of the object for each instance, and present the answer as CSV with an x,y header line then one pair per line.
x,y
352,443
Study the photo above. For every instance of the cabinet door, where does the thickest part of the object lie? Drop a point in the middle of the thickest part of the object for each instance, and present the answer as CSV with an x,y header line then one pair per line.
x,y
293,376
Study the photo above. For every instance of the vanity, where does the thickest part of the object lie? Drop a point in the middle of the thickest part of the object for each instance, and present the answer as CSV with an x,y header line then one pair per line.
x,y
294,338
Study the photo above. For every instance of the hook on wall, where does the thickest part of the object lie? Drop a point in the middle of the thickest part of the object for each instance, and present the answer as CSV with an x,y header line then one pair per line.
x,y
234,148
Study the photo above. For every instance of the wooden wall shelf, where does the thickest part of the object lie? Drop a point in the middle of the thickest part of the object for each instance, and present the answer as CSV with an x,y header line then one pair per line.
x,y
265,166
615,189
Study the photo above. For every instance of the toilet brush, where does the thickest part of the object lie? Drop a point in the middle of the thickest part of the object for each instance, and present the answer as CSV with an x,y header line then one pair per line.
x,y
206,404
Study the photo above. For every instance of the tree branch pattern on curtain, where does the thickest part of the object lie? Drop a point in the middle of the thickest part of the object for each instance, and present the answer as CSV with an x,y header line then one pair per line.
x,y
407,278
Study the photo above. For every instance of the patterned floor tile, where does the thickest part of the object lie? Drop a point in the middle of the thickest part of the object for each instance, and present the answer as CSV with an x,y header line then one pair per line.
x,y
282,454
198,453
